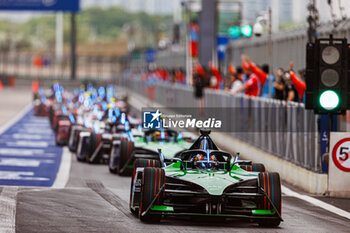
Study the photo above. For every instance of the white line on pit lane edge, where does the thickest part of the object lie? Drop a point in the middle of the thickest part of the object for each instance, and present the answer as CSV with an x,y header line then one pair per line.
x,y
316,202
64,170
8,203
16,118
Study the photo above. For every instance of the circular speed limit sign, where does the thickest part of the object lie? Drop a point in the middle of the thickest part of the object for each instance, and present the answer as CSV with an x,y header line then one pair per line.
x,y
341,154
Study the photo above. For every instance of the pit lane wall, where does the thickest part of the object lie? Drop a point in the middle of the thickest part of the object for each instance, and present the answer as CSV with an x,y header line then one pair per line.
x,y
290,150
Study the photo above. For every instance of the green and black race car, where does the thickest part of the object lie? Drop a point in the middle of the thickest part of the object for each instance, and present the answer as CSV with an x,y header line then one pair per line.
x,y
146,146
204,181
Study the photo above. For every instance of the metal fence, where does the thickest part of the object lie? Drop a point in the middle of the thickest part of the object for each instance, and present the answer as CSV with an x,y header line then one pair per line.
x,y
284,130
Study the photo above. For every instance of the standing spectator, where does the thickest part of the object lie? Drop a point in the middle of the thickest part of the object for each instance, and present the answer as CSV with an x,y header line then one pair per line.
x,y
199,82
231,69
262,74
290,90
298,84
279,84
235,83
239,73
180,76
251,86
216,77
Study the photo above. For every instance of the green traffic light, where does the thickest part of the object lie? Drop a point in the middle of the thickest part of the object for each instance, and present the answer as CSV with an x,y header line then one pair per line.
x,y
329,100
234,31
246,30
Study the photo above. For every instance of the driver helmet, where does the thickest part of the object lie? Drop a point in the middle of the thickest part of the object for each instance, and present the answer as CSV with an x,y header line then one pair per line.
x,y
158,135
201,157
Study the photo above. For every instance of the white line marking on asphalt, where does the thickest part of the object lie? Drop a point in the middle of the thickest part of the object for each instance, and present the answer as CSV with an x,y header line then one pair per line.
x,y
35,131
25,152
36,125
28,136
24,162
8,202
11,175
28,144
316,202
64,170
16,118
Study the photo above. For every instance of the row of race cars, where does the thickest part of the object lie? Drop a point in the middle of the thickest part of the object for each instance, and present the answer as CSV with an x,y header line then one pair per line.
x,y
171,175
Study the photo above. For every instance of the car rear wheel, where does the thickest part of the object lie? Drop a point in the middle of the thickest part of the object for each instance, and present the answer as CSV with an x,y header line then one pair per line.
x,y
126,149
58,143
94,143
153,180
91,147
271,184
255,167
140,163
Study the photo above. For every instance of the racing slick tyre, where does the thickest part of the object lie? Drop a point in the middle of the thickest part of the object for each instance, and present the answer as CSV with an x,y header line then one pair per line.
x,y
58,143
271,184
153,179
80,159
126,149
141,163
255,167
94,142
112,170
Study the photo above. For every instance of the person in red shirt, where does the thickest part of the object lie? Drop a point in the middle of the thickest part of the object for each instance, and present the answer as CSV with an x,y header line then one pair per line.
x,y
262,76
179,76
216,74
251,86
231,69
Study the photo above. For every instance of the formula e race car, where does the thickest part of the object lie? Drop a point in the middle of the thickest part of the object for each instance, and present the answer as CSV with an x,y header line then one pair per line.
x,y
94,144
146,146
204,182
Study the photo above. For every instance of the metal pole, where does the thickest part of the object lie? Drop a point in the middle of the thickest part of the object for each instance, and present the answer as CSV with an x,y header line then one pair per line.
x,y
73,41
187,47
275,16
59,37
270,47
